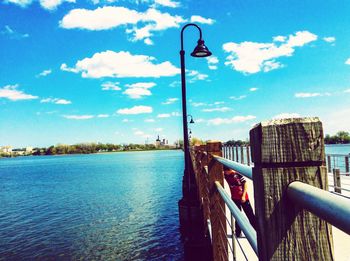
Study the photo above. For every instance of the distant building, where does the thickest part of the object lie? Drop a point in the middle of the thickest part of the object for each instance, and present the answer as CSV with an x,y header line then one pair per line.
x,y
6,149
29,149
160,143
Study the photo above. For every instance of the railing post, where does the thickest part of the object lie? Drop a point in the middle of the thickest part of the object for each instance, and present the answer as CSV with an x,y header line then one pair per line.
x,y
248,155
336,180
217,217
242,155
329,168
347,166
283,151
232,154
236,153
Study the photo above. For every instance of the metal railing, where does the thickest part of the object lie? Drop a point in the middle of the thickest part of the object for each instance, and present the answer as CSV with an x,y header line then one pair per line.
x,y
242,221
327,206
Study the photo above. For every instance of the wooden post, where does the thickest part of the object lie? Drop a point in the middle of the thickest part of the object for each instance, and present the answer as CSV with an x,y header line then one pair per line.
x,y
336,180
283,151
217,217
242,155
329,165
248,155
347,166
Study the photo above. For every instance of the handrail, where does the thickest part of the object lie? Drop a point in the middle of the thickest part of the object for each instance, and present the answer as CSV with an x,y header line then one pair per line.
x,y
332,208
241,168
239,217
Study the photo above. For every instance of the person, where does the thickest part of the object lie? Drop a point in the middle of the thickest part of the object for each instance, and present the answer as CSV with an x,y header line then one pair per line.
x,y
239,195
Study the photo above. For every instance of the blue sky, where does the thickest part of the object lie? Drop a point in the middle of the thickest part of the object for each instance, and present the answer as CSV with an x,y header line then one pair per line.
x,y
108,71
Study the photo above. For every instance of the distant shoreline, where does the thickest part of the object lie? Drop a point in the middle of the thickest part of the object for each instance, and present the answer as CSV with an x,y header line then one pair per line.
x,y
102,152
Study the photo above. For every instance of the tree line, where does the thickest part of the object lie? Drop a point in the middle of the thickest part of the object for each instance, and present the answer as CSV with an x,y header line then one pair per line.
x,y
341,137
87,148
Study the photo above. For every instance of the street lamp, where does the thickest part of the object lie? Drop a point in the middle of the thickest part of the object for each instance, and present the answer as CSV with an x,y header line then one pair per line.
x,y
191,120
199,51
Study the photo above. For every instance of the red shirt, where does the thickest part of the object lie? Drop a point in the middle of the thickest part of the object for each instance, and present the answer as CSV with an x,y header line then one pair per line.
x,y
236,182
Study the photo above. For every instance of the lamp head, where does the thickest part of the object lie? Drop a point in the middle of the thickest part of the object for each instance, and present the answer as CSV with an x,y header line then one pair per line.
x,y
191,121
201,50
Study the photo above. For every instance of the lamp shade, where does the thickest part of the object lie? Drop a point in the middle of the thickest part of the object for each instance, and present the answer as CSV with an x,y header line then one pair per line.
x,y
201,50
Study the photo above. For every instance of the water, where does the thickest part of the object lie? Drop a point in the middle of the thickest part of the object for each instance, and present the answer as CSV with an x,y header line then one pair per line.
x,y
119,206
337,149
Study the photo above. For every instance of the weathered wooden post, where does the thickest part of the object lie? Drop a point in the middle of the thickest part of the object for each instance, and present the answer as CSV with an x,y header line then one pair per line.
x,y
217,217
336,180
347,166
248,155
329,165
283,151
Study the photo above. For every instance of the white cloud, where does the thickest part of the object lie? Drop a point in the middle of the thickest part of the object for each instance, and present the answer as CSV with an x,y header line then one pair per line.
x,y
159,129
175,114
252,57
121,64
10,92
347,90
140,25
286,115
219,102
212,62
279,38
163,115
55,101
198,104
196,76
46,4
222,109
145,85
136,110
141,133
12,34
44,73
64,67
167,3
253,89
78,117
235,119
201,20
310,94
21,3
113,86
53,4
329,39
347,61
148,41
127,120
137,93
149,120
236,98
137,90
175,84
103,116
170,101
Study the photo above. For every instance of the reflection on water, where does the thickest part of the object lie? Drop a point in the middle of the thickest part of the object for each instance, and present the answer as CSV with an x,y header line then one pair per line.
x,y
120,206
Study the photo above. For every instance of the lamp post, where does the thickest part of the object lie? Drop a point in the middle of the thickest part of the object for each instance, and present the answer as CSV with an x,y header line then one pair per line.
x,y
199,51
191,120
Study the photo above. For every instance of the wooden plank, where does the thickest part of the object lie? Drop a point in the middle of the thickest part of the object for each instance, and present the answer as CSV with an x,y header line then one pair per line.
x,y
284,151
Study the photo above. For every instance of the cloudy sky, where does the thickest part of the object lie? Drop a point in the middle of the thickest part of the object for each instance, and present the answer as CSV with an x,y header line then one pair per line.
x,y
108,71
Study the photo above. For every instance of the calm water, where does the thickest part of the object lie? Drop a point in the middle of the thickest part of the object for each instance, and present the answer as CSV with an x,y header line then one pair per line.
x,y
120,206
338,149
